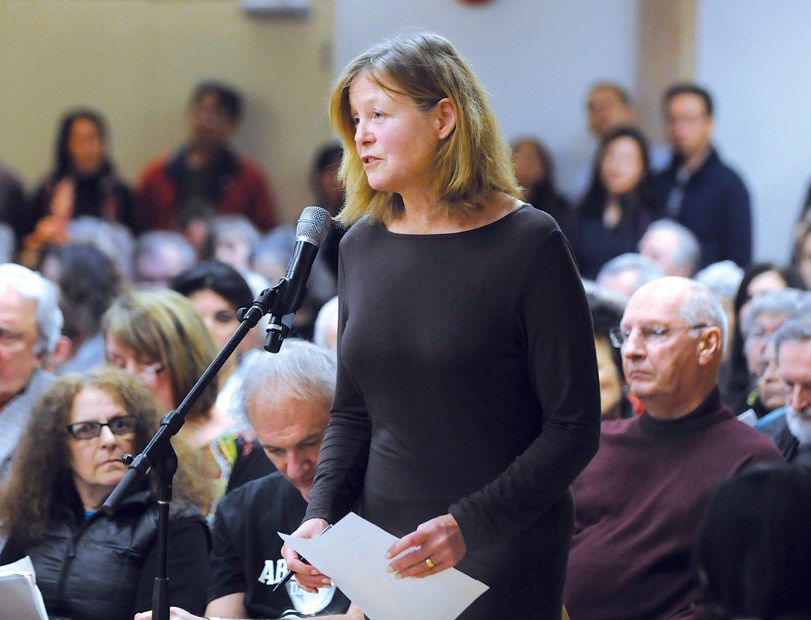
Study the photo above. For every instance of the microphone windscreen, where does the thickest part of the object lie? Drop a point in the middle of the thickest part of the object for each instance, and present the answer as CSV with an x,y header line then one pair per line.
x,y
313,226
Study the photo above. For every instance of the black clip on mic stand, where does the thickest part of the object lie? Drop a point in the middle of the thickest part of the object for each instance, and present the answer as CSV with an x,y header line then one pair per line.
x,y
281,301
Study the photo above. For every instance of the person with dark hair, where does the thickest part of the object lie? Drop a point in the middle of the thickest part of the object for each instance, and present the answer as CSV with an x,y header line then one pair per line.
x,y
83,182
535,171
698,189
619,205
205,175
753,550
329,194
461,434
88,282
606,314
801,254
89,564
218,291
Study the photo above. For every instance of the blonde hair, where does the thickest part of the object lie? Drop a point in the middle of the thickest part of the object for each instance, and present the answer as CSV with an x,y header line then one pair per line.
x,y
164,326
471,165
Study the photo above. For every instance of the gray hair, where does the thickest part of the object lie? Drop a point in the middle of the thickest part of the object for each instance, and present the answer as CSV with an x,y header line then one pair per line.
x,y
647,270
301,369
237,223
786,301
155,242
703,306
794,329
31,285
687,252
722,278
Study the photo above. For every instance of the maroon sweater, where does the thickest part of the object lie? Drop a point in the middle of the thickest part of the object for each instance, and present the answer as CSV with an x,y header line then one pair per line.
x,y
639,503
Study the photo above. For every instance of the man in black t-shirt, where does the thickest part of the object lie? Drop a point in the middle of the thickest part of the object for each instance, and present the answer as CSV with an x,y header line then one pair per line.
x,y
287,398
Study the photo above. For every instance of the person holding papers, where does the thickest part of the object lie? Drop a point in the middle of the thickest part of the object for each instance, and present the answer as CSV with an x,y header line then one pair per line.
x,y
467,397
90,565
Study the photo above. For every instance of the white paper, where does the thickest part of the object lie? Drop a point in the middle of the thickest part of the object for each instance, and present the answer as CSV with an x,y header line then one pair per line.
x,y
353,552
20,596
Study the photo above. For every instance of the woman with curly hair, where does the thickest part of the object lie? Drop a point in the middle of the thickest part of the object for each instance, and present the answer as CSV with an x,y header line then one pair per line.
x,y
89,564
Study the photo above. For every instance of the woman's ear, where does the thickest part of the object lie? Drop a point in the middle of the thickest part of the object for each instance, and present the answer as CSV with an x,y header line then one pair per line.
x,y
446,117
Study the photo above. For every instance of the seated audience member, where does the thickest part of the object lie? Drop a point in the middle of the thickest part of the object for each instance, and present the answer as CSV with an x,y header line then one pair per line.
x,y
159,256
640,499
233,238
30,326
12,202
218,291
766,314
605,316
758,279
158,337
272,253
325,333
535,172
723,279
115,240
801,255
205,170
88,283
619,204
769,389
288,398
790,428
698,189
328,191
626,273
83,182
89,564
672,247
752,548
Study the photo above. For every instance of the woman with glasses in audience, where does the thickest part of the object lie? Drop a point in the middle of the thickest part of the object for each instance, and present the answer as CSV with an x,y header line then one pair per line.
x,y
89,564
159,337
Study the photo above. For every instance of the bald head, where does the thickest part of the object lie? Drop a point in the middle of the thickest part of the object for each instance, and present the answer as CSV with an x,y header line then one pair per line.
x,y
673,343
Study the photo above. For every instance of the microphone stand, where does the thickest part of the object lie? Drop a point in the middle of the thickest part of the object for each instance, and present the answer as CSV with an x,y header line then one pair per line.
x,y
159,455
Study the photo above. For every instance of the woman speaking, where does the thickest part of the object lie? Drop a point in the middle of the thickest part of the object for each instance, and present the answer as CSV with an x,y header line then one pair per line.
x,y
467,398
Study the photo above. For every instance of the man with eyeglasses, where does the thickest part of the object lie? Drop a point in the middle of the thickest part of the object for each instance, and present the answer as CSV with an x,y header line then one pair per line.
x,y
699,190
30,326
639,501
287,399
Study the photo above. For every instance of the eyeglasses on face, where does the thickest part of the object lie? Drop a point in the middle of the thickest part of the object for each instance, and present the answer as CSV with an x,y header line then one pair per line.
x,y
121,425
650,334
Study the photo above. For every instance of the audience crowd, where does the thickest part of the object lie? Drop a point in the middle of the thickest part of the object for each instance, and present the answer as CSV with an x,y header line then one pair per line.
x,y
704,361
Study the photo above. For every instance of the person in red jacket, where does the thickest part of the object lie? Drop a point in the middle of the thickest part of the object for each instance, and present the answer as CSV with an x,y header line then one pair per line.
x,y
205,176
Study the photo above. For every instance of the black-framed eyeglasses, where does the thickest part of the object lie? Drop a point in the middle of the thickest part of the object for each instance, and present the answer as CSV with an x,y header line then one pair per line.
x,y
122,425
649,334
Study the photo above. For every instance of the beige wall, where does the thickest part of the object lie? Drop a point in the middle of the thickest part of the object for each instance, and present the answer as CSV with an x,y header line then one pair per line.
x,y
137,61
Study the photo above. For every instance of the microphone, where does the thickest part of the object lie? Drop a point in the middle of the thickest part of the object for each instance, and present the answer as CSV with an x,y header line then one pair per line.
x,y
311,229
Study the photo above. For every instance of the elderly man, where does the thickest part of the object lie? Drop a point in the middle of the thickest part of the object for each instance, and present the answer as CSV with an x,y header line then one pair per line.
x,y
640,499
30,326
671,247
287,398
790,428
